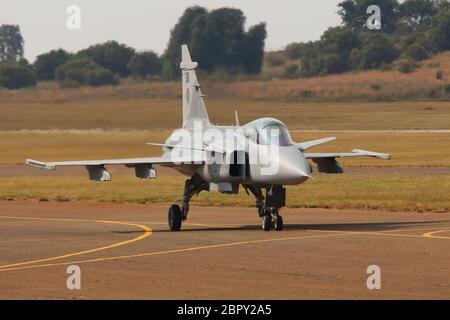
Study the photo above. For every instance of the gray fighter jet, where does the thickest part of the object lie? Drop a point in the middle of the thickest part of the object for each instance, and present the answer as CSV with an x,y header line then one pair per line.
x,y
259,156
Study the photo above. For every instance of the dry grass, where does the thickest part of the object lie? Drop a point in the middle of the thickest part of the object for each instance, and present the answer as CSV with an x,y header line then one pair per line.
x,y
375,191
49,123
389,85
165,114
354,86
50,93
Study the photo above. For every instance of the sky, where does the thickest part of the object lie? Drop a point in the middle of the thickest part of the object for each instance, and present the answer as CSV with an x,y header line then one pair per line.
x,y
146,24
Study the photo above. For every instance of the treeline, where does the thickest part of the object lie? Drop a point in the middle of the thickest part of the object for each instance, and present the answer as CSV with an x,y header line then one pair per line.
x,y
410,31
217,39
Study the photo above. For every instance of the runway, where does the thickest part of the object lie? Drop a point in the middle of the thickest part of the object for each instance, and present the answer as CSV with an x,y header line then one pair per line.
x,y
126,251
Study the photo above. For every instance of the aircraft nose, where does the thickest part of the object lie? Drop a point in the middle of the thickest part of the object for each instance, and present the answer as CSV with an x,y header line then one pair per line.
x,y
294,168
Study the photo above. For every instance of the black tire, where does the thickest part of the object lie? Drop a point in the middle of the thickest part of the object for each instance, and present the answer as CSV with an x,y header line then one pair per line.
x,y
267,223
175,218
279,223
262,212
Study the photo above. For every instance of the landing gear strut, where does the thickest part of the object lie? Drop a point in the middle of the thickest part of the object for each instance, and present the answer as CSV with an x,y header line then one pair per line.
x,y
268,207
178,214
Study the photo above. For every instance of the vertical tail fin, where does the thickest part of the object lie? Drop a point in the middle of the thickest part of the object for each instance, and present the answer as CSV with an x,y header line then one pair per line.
x,y
194,108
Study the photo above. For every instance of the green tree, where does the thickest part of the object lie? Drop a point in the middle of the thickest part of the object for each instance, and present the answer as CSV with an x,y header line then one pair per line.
x,y
309,59
440,33
376,51
218,40
291,71
225,36
443,5
16,75
418,13
110,55
417,52
189,29
329,63
168,70
338,42
331,54
84,71
253,54
11,43
46,63
294,50
145,64
354,13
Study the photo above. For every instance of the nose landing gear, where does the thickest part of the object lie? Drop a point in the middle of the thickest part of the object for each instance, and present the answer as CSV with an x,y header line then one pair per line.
x,y
268,208
278,223
272,219
267,223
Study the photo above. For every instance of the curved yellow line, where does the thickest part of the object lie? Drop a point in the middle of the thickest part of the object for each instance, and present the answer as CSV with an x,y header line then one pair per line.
x,y
432,234
189,249
147,233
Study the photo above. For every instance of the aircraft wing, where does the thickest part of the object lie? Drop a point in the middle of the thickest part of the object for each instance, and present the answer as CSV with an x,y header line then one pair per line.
x,y
353,153
326,161
127,162
312,143
143,166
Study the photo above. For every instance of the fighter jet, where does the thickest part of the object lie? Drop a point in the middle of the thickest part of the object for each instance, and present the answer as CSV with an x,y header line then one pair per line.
x,y
259,156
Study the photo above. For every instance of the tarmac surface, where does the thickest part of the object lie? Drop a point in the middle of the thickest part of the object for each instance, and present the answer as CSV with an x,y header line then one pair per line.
x,y
125,251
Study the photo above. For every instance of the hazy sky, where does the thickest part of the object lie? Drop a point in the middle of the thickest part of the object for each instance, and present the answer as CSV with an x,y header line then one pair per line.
x,y
146,24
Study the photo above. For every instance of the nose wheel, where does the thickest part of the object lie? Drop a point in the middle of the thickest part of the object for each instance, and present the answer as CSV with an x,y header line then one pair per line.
x,y
272,219
278,224
267,223
268,208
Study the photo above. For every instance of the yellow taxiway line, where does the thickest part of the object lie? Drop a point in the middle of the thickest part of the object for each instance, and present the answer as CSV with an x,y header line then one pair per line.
x,y
432,234
147,233
213,246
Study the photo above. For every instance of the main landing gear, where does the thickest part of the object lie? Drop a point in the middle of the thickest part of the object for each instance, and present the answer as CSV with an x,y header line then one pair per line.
x,y
272,220
178,214
268,208
176,217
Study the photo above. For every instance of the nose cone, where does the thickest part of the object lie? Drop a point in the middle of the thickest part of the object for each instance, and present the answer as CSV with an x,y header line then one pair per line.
x,y
293,167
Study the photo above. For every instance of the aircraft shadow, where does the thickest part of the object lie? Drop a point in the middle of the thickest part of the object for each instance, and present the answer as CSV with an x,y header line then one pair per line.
x,y
365,226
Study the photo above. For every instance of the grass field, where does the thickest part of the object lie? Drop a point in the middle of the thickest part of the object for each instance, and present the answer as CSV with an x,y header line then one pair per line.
x,y
152,114
368,191
52,124
383,190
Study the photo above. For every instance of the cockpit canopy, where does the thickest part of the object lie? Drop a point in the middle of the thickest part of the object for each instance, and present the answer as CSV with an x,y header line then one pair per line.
x,y
274,134
269,131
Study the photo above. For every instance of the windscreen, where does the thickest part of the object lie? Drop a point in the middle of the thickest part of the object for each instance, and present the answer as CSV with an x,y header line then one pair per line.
x,y
274,134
